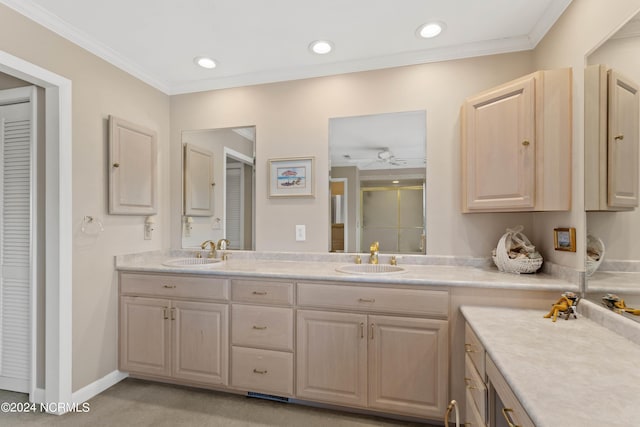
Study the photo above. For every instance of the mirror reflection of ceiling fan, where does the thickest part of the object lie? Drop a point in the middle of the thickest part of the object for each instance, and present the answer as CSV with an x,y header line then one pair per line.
x,y
382,157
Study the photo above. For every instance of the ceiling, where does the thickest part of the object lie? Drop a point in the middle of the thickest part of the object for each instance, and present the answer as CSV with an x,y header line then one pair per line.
x,y
260,41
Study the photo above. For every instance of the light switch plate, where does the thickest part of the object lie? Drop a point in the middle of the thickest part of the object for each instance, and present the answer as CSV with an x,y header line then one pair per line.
x,y
301,233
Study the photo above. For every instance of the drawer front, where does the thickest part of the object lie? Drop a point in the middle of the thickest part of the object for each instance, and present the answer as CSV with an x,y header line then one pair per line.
x,y
262,370
174,286
510,403
402,301
476,388
474,418
260,326
475,351
258,291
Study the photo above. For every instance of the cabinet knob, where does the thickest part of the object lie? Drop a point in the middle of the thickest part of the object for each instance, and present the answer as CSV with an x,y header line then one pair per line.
x,y
618,137
525,143
116,165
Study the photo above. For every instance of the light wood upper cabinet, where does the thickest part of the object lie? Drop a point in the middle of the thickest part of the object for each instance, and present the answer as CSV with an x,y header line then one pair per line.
x,y
612,109
516,145
198,181
133,176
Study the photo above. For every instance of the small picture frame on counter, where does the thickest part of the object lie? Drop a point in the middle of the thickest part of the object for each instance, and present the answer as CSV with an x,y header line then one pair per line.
x,y
564,239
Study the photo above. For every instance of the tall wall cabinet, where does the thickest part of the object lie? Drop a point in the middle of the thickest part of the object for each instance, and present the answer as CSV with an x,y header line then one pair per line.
x,y
516,145
612,109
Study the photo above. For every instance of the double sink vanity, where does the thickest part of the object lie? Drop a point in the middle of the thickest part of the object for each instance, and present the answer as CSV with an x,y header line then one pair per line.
x,y
320,328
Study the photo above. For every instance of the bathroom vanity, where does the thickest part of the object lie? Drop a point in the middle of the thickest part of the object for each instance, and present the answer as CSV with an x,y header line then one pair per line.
x,y
293,327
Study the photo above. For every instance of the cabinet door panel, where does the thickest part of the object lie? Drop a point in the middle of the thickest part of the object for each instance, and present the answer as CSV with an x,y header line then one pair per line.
x,y
332,357
499,147
623,142
408,365
145,334
201,345
198,181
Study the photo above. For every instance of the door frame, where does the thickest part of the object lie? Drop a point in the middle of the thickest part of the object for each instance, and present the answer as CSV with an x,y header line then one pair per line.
x,y
58,229
242,158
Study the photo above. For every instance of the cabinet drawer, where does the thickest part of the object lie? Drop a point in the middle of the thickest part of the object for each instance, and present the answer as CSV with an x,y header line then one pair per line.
x,y
262,292
260,326
404,301
174,286
262,370
475,351
510,402
473,417
476,388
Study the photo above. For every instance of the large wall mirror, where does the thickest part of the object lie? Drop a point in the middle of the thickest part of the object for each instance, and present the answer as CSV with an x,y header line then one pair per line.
x,y
219,186
377,182
618,227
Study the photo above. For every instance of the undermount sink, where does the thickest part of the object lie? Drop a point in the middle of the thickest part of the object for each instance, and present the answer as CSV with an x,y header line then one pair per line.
x,y
370,269
190,262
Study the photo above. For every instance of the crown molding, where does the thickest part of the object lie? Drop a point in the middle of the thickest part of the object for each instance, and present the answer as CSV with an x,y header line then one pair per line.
x,y
527,42
50,21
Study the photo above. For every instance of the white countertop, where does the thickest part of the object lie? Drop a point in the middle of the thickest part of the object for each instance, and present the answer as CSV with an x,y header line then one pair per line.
x,y
319,269
569,373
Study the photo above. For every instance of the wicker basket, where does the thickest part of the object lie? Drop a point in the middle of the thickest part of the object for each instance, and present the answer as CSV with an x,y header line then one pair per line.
x,y
518,265
596,245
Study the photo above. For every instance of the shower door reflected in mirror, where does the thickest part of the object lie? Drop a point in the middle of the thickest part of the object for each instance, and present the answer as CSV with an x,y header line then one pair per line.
x,y
377,174
231,192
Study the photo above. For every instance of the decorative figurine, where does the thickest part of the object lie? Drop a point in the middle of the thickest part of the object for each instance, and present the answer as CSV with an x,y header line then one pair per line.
x,y
615,303
565,306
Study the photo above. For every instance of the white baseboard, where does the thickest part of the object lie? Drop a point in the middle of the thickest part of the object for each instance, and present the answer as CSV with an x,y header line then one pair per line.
x,y
97,387
38,395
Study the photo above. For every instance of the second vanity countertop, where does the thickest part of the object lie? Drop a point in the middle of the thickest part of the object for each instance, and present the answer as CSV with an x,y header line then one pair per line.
x,y
322,267
569,373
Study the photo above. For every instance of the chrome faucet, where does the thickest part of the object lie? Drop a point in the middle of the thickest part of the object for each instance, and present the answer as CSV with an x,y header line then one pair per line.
x,y
374,249
212,248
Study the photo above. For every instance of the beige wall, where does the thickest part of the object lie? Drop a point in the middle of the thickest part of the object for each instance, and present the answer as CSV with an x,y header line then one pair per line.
x,y
9,82
292,120
99,90
583,27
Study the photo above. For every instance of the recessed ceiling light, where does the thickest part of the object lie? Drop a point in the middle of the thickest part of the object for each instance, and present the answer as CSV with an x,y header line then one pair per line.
x,y
204,62
321,47
430,29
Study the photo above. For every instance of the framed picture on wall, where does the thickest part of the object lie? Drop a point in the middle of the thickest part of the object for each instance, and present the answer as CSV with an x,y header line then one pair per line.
x,y
564,239
292,177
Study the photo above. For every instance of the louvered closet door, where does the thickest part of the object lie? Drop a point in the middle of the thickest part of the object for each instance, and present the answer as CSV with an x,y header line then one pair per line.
x,y
15,256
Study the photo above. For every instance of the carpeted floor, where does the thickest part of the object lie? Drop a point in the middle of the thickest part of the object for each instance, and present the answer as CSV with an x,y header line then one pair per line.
x,y
142,403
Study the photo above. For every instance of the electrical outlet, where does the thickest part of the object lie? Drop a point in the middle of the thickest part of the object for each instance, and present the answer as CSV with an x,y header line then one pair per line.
x,y
301,233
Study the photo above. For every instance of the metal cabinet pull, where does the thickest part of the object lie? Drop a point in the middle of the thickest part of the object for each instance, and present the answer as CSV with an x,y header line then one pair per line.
x,y
468,348
169,286
258,371
173,314
260,328
618,137
366,300
259,292
506,413
372,326
165,313
361,329
525,143
116,165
